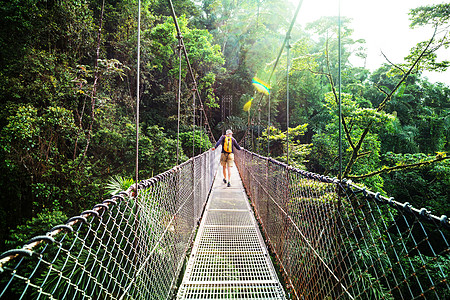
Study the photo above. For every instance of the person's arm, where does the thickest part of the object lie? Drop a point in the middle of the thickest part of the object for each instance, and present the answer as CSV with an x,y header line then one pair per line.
x,y
218,142
236,144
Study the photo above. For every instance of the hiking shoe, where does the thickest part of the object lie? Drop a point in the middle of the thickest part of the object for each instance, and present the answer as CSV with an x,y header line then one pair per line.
x,y
224,180
229,184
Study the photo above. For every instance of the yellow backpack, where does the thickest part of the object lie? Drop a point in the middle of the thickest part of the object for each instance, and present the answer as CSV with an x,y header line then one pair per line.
x,y
228,144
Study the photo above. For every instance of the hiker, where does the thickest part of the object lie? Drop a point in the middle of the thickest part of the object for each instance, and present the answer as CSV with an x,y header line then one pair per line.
x,y
227,156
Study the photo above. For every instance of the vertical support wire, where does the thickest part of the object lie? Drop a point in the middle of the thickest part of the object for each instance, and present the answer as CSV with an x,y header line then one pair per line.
x,y
339,83
138,67
259,129
203,129
288,46
268,128
193,123
138,92
179,96
337,224
288,34
250,124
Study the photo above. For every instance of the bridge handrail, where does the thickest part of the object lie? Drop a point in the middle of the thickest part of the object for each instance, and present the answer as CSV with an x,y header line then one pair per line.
x,y
27,248
125,234
422,213
339,240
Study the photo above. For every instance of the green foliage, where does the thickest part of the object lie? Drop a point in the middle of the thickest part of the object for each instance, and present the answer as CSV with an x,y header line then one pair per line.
x,y
197,139
427,187
206,60
277,140
355,114
157,151
38,225
20,235
431,14
56,89
357,118
235,123
325,51
38,143
437,16
118,184
206,84
60,26
365,281
38,140
422,124
203,54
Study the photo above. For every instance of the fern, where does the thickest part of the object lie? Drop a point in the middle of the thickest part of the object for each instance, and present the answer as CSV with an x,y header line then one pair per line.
x,y
117,184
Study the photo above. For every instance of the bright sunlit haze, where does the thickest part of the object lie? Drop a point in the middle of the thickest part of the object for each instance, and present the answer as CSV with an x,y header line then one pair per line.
x,y
384,25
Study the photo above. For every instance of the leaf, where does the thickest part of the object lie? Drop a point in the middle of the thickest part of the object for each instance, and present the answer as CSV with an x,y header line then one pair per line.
x,y
400,90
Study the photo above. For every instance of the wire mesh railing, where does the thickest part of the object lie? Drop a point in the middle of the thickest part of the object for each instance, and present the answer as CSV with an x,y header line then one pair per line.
x,y
124,248
339,241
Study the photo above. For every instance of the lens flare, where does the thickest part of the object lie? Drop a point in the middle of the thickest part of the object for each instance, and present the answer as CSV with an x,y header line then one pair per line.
x,y
261,86
248,105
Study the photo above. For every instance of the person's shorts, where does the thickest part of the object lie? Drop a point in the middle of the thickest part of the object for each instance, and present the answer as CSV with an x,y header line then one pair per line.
x,y
227,159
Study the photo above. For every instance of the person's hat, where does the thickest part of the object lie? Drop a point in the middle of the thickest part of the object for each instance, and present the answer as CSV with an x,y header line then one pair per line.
x,y
229,131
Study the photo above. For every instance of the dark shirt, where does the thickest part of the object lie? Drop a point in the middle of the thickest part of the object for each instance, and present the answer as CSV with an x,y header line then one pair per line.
x,y
221,140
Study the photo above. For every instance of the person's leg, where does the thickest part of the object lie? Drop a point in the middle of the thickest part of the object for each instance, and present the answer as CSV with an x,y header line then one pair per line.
x,y
223,162
230,164
225,173
229,174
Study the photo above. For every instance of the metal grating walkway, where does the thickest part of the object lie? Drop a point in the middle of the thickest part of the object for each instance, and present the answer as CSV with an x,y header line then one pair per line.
x,y
229,259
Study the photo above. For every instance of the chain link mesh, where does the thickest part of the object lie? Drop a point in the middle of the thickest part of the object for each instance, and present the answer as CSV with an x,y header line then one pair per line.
x,y
336,241
124,248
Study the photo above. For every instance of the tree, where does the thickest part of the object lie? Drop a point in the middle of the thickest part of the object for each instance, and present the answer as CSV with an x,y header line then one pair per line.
x,y
298,152
206,59
437,16
195,142
357,141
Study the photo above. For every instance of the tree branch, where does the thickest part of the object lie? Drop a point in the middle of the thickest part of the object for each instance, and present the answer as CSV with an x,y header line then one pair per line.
x,y
397,168
347,133
385,57
381,90
363,154
380,107
422,54
354,156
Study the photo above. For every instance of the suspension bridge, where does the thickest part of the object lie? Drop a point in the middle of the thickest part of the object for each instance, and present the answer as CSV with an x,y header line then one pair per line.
x,y
277,233
298,235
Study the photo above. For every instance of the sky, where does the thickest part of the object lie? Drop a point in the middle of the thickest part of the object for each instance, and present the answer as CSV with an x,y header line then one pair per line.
x,y
384,24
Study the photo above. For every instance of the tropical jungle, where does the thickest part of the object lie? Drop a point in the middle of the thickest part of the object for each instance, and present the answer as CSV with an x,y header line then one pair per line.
x,y
68,88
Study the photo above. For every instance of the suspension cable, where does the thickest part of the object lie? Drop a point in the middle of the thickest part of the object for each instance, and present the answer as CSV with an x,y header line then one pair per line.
x,y
191,73
179,96
193,123
268,128
339,83
201,119
138,92
259,128
288,47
